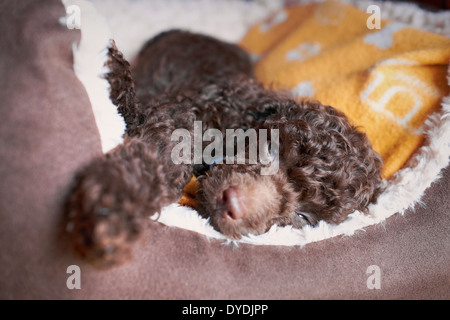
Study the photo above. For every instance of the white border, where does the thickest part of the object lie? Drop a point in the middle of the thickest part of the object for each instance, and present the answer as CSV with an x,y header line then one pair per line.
x,y
89,64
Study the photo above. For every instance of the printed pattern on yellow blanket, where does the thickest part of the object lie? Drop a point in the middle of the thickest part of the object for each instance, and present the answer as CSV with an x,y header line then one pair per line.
x,y
387,81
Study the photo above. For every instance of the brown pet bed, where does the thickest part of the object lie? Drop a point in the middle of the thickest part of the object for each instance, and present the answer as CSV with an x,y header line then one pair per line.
x,y
49,131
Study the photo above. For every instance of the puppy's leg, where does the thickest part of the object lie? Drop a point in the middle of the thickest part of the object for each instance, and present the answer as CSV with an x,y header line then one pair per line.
x,y
114,196
122,89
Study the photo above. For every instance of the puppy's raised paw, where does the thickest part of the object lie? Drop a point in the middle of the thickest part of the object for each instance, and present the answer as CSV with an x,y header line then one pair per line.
x,y
102,224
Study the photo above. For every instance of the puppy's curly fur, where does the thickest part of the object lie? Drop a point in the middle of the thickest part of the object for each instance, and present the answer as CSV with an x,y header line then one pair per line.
x,y
327,167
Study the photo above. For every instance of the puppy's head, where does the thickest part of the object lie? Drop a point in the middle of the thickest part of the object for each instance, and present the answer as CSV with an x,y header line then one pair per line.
x,y
240,201
327,170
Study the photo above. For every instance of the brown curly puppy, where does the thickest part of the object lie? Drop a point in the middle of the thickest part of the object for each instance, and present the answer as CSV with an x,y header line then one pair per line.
x,y
327,168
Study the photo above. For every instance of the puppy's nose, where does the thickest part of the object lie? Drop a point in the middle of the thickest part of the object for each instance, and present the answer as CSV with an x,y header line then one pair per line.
x,y
233,203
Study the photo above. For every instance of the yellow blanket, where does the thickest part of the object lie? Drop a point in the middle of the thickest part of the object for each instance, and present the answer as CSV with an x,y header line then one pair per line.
x,y
387,80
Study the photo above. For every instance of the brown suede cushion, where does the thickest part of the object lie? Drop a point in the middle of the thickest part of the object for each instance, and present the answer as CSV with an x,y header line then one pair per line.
x,y
47,131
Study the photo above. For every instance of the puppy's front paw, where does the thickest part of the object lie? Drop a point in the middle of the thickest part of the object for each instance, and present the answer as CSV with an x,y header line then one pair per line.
x,y
103,222
115,194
